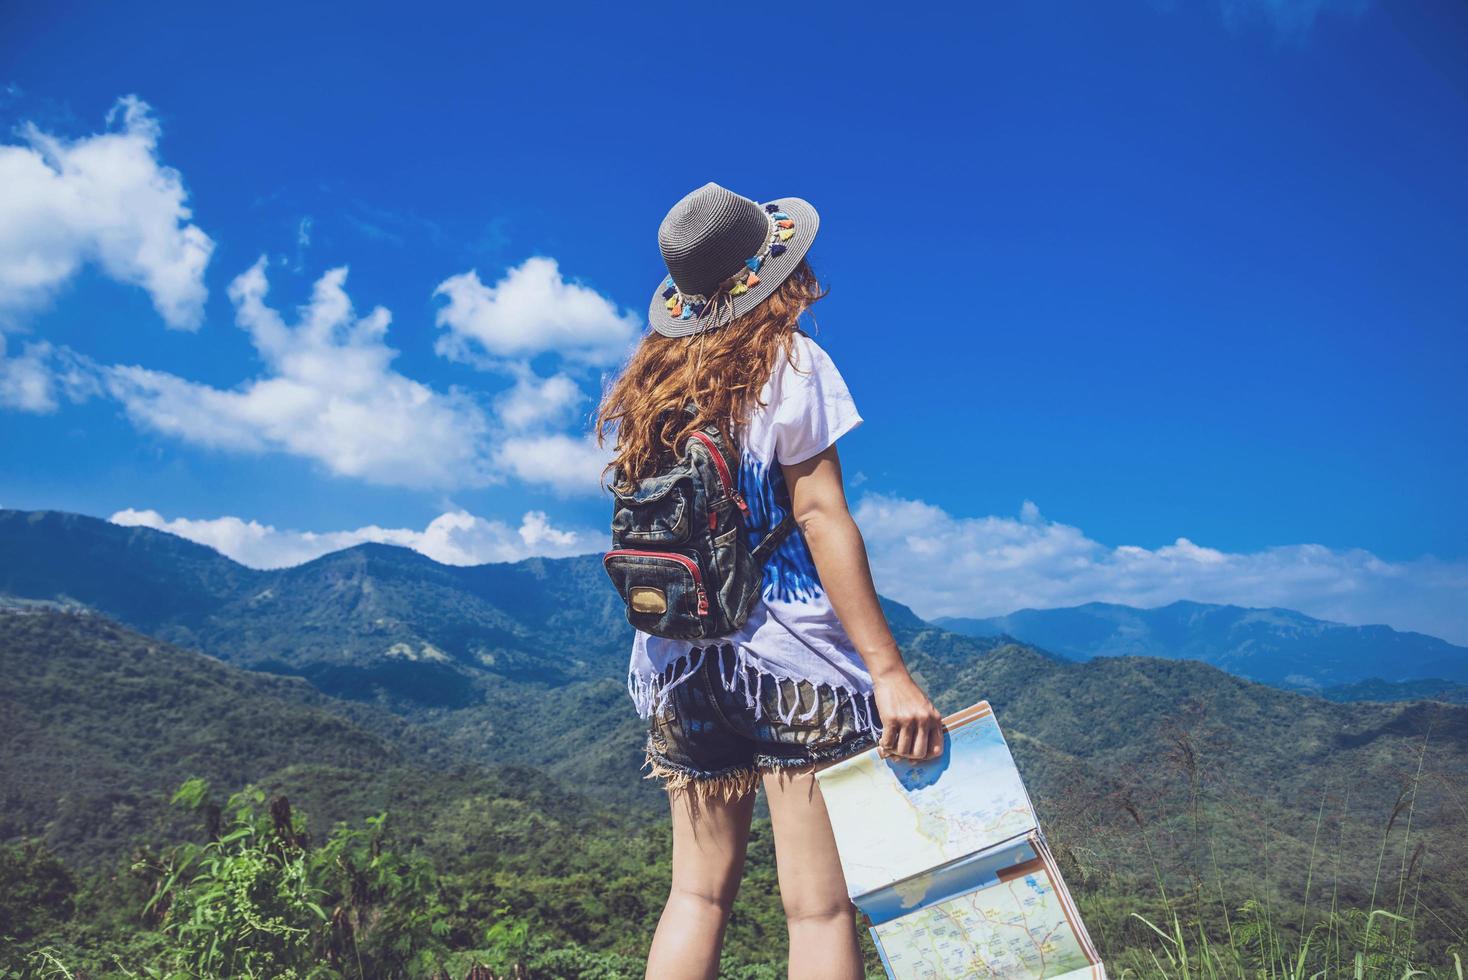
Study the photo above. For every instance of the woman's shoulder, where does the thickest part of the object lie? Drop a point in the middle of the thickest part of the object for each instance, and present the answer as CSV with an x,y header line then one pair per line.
x,y
807,356
806,373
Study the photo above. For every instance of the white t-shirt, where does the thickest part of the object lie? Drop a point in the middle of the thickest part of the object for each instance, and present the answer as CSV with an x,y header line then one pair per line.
x,y
793,633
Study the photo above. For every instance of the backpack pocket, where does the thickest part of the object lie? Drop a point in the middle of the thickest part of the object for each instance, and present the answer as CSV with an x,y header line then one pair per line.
x,y
735,582
664,591
657,516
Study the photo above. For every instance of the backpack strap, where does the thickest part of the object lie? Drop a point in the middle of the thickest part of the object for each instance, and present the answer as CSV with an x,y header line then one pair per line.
x,y
773,540
760,553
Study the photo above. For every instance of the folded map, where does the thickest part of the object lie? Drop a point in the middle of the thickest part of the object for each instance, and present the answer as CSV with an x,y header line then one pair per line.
x,y
946,860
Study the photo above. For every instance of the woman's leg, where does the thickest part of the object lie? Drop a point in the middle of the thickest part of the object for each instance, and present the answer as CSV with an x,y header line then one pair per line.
x,y
708,860
820,917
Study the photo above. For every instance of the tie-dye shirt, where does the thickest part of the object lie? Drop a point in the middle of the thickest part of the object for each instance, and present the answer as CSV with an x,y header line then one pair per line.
x,y
793,633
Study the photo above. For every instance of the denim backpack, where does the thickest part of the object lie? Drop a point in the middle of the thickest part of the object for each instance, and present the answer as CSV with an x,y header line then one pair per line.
x,y
679,557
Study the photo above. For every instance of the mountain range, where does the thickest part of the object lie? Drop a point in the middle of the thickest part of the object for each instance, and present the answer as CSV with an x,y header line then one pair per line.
x,y
377,619
131,658
1273,646
502,661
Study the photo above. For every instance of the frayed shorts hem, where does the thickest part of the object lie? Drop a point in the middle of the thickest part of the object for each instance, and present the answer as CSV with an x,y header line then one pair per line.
x,y
831,753
728,785
736,782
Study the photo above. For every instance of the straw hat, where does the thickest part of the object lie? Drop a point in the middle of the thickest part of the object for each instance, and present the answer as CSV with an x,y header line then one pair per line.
x,y
725,253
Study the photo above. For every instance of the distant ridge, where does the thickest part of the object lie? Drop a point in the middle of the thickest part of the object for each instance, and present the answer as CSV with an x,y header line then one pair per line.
x,y
380,621
1273,646
366,621
1375,689
370,622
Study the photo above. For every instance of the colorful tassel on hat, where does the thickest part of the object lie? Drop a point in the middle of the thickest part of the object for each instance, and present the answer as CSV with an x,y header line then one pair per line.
x,y
751,280
779,215
776,249
787,234
672,302
677,307
698,309
772,208
668,281
687,313
670,292
739,289
787,223
753,263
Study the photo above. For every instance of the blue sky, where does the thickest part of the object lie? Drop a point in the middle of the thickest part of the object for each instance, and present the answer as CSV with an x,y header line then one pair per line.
x,y
1140,301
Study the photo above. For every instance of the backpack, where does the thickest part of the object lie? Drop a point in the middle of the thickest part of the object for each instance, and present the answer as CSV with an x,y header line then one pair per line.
x,y
679,557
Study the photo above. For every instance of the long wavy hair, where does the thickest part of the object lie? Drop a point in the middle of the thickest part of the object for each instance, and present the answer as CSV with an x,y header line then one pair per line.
x,y
721,370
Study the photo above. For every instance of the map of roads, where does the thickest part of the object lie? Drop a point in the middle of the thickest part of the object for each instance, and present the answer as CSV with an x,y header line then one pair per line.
x,y
946,860
1017,928
896,819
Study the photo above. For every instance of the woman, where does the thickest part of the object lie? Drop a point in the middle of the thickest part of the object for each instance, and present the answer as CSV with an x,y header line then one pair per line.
x,y
814,675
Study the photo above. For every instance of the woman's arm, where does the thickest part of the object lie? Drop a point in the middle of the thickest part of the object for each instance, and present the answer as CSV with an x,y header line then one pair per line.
x,y
911,726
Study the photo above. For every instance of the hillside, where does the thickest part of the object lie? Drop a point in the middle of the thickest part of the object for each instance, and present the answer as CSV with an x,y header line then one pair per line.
x,y
1272,646
527,660
1138,765
103,723
108,721
370,621
1376,689
137,575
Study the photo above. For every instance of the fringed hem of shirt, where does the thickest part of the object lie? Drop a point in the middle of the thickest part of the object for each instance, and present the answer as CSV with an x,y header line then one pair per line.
x,y
650,691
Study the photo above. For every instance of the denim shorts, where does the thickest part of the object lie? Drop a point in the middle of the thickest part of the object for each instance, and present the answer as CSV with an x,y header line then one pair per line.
x,y
718,738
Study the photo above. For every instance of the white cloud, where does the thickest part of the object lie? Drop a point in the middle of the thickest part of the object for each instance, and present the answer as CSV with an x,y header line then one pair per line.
x,y
104,199
303,242
530,311
943,565
566,464
534,401
329,394
327,391
37,379
26,382
454,538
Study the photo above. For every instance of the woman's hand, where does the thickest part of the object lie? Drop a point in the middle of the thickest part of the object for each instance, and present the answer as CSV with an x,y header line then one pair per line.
x,y
911,726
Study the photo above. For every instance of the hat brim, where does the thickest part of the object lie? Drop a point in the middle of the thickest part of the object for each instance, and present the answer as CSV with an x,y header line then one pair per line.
x,y
773,271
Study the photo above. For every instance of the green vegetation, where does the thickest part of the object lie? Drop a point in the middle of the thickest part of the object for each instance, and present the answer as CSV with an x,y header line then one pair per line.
x,y
1147,774
254,897
251,902
1375,689
429,864
1208,924
1209,826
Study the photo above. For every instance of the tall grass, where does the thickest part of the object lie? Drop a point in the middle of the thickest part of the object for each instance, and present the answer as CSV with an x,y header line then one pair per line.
x,y
1218,940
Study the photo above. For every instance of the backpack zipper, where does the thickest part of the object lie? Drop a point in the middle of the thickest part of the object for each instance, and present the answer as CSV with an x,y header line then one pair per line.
x,y
684,560
725,479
